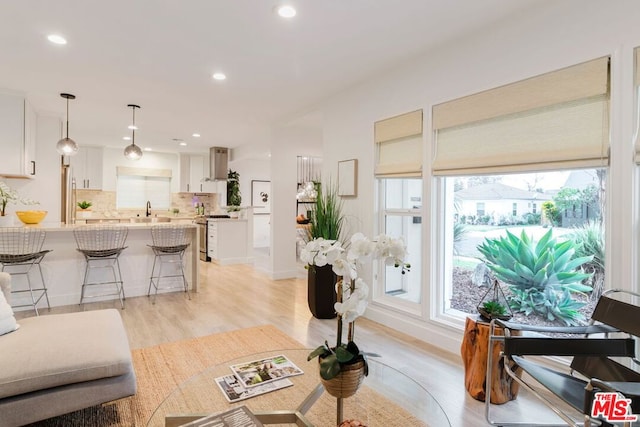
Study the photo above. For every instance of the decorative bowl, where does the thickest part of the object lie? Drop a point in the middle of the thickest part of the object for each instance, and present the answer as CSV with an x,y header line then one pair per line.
x,y
31,217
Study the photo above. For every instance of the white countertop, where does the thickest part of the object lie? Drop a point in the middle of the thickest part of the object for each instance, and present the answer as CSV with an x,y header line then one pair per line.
x,y
55,226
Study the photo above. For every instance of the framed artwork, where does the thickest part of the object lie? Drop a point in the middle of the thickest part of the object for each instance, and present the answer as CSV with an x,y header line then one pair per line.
x,y
348,178
261,197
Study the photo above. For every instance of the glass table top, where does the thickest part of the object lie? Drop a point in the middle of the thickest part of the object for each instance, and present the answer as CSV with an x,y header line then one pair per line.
x,y
386,398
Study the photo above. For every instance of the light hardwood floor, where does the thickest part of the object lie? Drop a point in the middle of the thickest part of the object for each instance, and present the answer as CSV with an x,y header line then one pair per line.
x,y
240,296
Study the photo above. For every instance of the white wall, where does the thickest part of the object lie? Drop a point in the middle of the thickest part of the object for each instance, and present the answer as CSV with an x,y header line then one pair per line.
x,y
556,36
251,169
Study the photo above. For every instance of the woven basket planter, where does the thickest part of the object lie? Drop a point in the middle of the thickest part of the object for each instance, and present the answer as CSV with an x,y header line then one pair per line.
x,y
347,382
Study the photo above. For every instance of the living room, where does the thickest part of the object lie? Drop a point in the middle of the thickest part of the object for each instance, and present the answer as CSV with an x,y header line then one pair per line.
x,y
540,38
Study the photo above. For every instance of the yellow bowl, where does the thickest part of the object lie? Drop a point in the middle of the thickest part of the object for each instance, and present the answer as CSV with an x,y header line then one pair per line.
x,y
31,217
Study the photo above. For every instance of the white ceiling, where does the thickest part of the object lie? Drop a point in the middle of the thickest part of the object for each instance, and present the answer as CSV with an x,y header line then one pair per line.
x,y
160,54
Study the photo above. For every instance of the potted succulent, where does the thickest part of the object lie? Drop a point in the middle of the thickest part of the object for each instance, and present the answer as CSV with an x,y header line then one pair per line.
x,y
493,304
85,210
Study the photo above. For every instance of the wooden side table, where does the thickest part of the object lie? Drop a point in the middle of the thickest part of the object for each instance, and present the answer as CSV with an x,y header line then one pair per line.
x,y
474,350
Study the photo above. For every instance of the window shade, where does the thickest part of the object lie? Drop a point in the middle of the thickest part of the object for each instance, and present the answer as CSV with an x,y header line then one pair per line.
x,y
556,120
399,145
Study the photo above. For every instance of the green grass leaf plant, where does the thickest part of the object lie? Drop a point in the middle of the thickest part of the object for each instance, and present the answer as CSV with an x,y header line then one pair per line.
x,y
541,275
327,218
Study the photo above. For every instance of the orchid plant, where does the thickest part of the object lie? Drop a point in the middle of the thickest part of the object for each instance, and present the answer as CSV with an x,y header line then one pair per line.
x,y
7,194
352,290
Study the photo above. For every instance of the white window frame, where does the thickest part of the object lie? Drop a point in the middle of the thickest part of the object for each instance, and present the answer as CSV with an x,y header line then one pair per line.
x,y
379,296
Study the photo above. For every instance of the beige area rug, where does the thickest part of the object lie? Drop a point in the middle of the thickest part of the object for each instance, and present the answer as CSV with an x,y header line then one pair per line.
x,y
159,369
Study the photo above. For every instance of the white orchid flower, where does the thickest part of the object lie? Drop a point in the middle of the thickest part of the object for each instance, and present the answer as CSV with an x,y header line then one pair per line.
x,y
345,268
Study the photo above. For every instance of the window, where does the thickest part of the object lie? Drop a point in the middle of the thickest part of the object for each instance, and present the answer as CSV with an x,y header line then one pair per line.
x,y
544,141
401,217
399,147
137,186
480,209
462,296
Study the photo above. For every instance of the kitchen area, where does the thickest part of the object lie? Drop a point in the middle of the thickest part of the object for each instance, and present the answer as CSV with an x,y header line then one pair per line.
x,y
99,185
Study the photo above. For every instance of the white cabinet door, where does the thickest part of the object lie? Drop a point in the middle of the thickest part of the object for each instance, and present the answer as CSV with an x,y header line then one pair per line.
x,y
12,136
196,173
30,126
193,170
87,167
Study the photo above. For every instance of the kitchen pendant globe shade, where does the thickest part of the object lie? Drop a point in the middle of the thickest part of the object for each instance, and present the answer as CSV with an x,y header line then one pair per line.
x,y
67,147
133,152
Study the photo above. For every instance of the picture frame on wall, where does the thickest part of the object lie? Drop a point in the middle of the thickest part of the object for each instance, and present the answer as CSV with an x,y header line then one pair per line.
x,y
261,197
348,178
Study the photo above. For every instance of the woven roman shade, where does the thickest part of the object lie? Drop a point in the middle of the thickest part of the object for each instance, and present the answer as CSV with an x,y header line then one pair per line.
x,y
399,145
556,120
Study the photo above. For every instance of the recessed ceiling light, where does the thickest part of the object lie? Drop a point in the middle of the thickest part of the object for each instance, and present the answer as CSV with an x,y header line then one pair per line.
x,y
184,144
57,39
134,127
126,138
286,11
196,135
219,76
148,149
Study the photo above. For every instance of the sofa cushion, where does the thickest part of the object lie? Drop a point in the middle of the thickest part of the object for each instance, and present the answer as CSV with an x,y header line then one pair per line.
x,y
55,350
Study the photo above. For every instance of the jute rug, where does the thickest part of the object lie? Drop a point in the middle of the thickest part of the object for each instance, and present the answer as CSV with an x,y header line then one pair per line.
x,y
161,368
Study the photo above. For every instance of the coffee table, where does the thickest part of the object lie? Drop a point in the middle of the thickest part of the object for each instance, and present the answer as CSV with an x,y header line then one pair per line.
x,y
387,398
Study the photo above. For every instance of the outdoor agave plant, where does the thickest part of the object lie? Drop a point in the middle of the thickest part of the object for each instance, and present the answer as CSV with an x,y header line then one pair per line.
x,y
541,276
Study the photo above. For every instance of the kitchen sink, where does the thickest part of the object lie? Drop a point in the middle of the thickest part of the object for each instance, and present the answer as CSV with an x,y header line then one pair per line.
x,y
146,219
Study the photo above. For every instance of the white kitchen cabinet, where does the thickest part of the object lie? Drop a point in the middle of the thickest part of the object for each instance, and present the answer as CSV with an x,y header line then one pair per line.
x,y
17,136
194,168
227,241
86,167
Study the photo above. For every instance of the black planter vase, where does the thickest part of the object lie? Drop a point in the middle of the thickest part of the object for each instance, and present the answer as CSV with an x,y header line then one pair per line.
x,y
321,291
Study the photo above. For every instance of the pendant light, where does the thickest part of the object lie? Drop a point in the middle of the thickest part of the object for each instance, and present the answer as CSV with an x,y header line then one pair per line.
x,y
132,151
67,146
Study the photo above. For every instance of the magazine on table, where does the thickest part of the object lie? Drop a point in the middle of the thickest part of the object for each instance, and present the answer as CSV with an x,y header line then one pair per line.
x,y
236,417
234,391
257,372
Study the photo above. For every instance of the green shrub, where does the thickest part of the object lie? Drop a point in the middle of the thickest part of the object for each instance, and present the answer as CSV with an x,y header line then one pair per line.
x,y
460,230
540,275
589,240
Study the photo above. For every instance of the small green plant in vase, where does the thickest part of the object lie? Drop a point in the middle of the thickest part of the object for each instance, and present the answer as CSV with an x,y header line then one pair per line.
x,y
84,205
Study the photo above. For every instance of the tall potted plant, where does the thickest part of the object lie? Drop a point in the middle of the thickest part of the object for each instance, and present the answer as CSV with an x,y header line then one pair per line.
x,y
326,225
234,198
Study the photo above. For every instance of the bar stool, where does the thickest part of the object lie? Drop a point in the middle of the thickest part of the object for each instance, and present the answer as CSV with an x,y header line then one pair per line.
x,y
101,246
169,245
20,251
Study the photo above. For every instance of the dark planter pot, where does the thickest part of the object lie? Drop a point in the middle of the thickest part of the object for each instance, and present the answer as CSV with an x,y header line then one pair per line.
x,y
321,291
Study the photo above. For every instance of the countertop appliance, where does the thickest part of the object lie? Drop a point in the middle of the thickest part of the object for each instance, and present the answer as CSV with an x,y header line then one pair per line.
x,y
203,245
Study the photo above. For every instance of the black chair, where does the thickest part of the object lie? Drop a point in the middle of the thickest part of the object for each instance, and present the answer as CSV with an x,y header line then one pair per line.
x,y
604,360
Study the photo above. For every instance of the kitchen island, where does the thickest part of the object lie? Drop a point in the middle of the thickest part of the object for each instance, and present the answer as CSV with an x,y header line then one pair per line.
x,y
63,268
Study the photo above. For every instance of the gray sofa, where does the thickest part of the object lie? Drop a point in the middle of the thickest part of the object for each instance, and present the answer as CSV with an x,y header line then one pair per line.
x,y
56,364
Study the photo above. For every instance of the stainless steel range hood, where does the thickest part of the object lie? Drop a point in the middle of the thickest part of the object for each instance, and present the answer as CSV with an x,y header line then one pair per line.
x,y
218,163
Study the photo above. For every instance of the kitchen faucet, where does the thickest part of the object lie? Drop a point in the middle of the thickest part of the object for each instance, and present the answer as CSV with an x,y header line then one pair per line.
x,y
148,213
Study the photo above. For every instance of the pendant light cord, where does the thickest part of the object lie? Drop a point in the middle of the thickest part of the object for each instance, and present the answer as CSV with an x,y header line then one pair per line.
x,y
67,118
